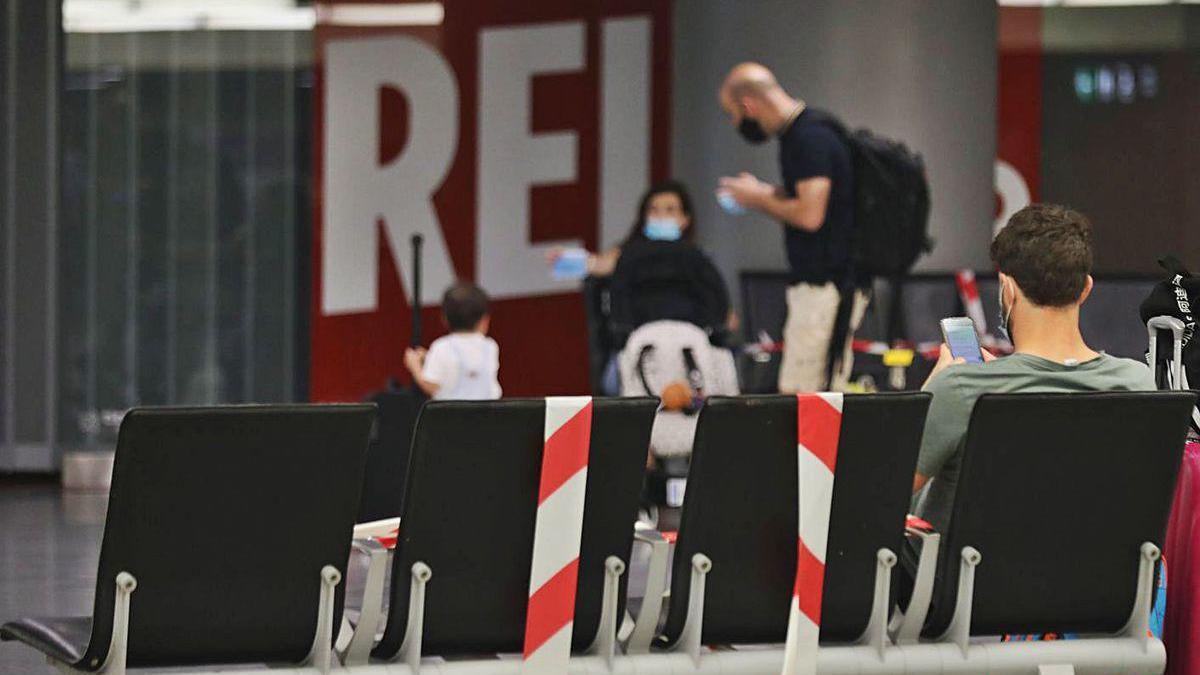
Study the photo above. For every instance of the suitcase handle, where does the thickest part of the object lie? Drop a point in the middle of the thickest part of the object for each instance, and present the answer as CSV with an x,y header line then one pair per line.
x,y
417,240
1174,325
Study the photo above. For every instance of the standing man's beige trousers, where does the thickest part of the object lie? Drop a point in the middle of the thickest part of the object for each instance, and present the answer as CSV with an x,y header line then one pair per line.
x,y
812,311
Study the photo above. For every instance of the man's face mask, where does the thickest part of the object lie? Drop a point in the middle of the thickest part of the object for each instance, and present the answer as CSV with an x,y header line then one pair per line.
x,y
662,229
752,131
1005,315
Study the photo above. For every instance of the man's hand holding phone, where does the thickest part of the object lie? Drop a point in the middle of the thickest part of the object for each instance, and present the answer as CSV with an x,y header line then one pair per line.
x,y
947,359
960,345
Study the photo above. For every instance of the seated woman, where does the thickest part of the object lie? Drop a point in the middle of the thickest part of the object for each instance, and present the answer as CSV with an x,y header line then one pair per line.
x,y
659,273
669,320
667,200
660,277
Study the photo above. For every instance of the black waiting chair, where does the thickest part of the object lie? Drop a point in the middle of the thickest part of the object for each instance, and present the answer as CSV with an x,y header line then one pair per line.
x,y
1059,514
226,538
468,522
740,511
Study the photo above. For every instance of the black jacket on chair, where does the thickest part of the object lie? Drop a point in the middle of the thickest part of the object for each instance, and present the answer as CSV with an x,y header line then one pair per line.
x,y
666,280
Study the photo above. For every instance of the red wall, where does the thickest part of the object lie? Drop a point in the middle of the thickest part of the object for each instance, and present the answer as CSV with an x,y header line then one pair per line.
x,y
542,338
1019,95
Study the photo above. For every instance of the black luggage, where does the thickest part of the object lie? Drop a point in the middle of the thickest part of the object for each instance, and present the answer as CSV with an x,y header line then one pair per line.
x,y
391,440
1170,316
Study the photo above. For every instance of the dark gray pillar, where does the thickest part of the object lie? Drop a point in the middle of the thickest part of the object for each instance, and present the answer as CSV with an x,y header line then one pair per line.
x,y
30,82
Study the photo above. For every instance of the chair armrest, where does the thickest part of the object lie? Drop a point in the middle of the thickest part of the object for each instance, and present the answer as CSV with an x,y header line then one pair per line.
x,y
646,624
358,652
912,620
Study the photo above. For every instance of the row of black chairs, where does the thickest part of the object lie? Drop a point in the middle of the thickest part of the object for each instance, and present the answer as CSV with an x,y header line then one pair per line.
x,y
229,531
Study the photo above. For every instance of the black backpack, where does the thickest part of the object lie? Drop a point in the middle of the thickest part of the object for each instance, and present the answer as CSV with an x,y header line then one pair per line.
x,y
891,204
1176,296
891,221
891,209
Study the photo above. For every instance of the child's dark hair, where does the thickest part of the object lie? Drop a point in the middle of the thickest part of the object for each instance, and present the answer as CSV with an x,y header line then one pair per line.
x,y
464,304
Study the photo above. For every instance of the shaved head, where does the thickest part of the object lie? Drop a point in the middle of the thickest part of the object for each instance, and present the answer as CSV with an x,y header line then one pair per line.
x,y
750,90
749,79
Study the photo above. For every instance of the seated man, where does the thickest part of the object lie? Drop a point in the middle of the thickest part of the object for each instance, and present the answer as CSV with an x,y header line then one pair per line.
x,y
1044,259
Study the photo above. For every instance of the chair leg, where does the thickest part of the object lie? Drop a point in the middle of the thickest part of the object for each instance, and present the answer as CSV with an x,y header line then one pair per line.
x,y
1138,625
876,634
959,631
414,632
118,646
605,644
321,654
693,625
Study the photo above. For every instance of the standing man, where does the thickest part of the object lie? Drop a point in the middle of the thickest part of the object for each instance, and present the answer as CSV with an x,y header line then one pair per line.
x,y
815,204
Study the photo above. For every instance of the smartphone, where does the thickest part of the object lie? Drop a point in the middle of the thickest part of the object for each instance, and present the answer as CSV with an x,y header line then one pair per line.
x,y
962,338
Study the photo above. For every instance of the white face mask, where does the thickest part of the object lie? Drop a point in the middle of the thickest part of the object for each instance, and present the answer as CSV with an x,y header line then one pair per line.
x,y
663,229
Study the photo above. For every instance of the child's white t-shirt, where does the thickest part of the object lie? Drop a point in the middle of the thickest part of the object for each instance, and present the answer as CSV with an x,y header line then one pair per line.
x,y
464,366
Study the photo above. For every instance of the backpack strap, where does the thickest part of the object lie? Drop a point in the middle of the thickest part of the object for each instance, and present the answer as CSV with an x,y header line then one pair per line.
x,y
641,368
694,375
841,329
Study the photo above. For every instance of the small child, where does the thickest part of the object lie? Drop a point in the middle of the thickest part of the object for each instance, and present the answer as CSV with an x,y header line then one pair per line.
x,y
462,365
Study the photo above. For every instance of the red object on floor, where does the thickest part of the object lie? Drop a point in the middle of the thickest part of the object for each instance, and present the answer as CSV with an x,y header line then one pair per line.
x,y
1182,630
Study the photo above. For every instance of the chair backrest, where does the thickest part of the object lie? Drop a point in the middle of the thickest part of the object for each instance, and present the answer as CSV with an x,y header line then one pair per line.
x,y
741,510
470,509
226,516
387,453
1058,492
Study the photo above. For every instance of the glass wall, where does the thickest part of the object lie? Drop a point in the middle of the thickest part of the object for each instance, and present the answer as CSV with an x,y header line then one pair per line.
x,y
183,259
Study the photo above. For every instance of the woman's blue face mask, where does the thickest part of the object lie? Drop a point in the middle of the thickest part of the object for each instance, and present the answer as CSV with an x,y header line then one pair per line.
x,y
662,229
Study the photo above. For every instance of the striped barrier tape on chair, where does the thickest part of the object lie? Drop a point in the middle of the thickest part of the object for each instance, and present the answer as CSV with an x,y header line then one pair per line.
x,y
818,428
556,538
968,294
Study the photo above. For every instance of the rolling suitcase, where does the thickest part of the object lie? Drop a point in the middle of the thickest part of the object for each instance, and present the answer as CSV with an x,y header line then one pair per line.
x,y
1177,609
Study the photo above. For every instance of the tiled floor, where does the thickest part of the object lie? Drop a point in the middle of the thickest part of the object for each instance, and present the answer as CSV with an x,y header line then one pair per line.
x,y
49,545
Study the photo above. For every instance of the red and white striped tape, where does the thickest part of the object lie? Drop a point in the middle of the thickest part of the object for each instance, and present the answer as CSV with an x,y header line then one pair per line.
x,y
556,539
968,294
927,350
818,429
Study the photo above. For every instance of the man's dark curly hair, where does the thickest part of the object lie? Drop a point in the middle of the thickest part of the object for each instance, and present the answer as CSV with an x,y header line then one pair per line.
x,y
1047,250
